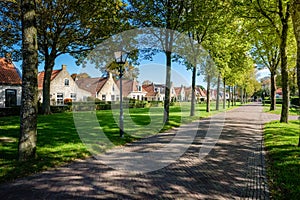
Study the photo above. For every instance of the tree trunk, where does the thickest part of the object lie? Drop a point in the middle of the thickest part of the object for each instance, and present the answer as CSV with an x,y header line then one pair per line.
x,y
224,94
229,96
168,85
28,115
208,94
49,64
218,92
233,96
273,91
242,96
284,72
296,24
193,100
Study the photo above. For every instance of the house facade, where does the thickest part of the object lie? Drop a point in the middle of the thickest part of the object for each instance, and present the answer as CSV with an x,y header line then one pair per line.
x,y
156,92
200,95
131,89
62,86
10,84
180,93
103,88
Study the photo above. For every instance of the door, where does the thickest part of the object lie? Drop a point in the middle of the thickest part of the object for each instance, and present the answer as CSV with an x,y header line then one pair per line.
x,y
10,98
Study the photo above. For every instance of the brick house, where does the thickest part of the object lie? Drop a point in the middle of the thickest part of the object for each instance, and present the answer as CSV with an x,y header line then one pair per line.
x,y
103,88
62,86
10,84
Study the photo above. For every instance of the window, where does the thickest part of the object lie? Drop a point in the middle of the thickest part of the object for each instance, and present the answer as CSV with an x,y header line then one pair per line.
x,y
60,99
113,97
103,97
113,88
67,83
139,88
73,96
138,97
133,96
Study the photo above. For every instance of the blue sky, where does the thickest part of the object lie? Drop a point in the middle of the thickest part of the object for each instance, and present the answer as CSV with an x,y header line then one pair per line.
x,y
149,70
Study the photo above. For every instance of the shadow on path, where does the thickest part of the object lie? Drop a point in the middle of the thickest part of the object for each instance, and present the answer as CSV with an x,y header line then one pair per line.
x,y
233,169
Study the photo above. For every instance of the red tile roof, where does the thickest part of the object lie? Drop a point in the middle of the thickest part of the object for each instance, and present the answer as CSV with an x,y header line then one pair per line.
x,y
8,73
150,90
279,91
129,86
41,76
177,90
93,85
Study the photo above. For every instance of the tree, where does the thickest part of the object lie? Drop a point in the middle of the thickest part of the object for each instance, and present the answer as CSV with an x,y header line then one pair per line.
x,y
266,54
130,71
73,27
69,27
296,24
161,14
203,18
28,116
10,29
277,13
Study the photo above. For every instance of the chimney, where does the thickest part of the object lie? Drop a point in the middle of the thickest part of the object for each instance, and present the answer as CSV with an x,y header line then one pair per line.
x,y
8,58
110,75
64,67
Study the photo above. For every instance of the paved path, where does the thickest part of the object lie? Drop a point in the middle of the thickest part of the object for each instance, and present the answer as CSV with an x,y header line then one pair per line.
x,y
233,169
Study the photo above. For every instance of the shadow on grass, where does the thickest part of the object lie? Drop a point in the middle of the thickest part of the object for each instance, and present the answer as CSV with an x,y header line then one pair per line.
x,y
283,159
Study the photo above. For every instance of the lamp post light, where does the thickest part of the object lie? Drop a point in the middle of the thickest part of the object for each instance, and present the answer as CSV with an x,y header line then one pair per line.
x,y
120,58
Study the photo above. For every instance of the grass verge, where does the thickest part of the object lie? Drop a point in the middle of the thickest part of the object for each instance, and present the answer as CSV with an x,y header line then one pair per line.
x,y
277,110
283,159
59,143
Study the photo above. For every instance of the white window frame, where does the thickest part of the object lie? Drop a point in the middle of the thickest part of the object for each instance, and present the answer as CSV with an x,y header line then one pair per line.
x,y
60,100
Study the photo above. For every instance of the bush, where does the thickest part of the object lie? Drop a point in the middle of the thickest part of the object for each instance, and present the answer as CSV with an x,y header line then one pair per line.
x,y
12,111
68,101
278,101
61,109
295,101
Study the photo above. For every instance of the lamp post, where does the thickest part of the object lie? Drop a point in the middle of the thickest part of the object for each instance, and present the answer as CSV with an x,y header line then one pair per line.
x,y
120,58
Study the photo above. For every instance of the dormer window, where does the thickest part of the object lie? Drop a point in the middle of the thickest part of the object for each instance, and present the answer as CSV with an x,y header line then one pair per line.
x,y
67,82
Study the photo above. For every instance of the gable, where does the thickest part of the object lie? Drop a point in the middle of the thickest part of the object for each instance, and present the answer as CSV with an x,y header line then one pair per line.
x,y
92,85
41,76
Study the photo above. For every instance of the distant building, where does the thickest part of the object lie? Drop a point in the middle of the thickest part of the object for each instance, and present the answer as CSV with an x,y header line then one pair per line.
x,y
156,92
180,93
10,84
103,88
62,86
132,89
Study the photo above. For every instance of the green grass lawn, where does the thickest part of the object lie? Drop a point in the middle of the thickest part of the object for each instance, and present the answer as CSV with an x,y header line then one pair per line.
x,y
59,143
283,167
277,111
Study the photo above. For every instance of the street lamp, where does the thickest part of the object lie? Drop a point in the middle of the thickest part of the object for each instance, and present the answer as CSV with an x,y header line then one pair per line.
x,y
120,58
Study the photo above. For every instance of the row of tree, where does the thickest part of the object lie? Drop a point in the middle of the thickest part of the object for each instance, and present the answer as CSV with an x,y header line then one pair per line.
x,y
235,34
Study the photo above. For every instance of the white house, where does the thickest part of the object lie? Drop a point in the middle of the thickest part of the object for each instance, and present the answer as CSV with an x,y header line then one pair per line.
x,y
132,90
103,88
10,84
62,86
